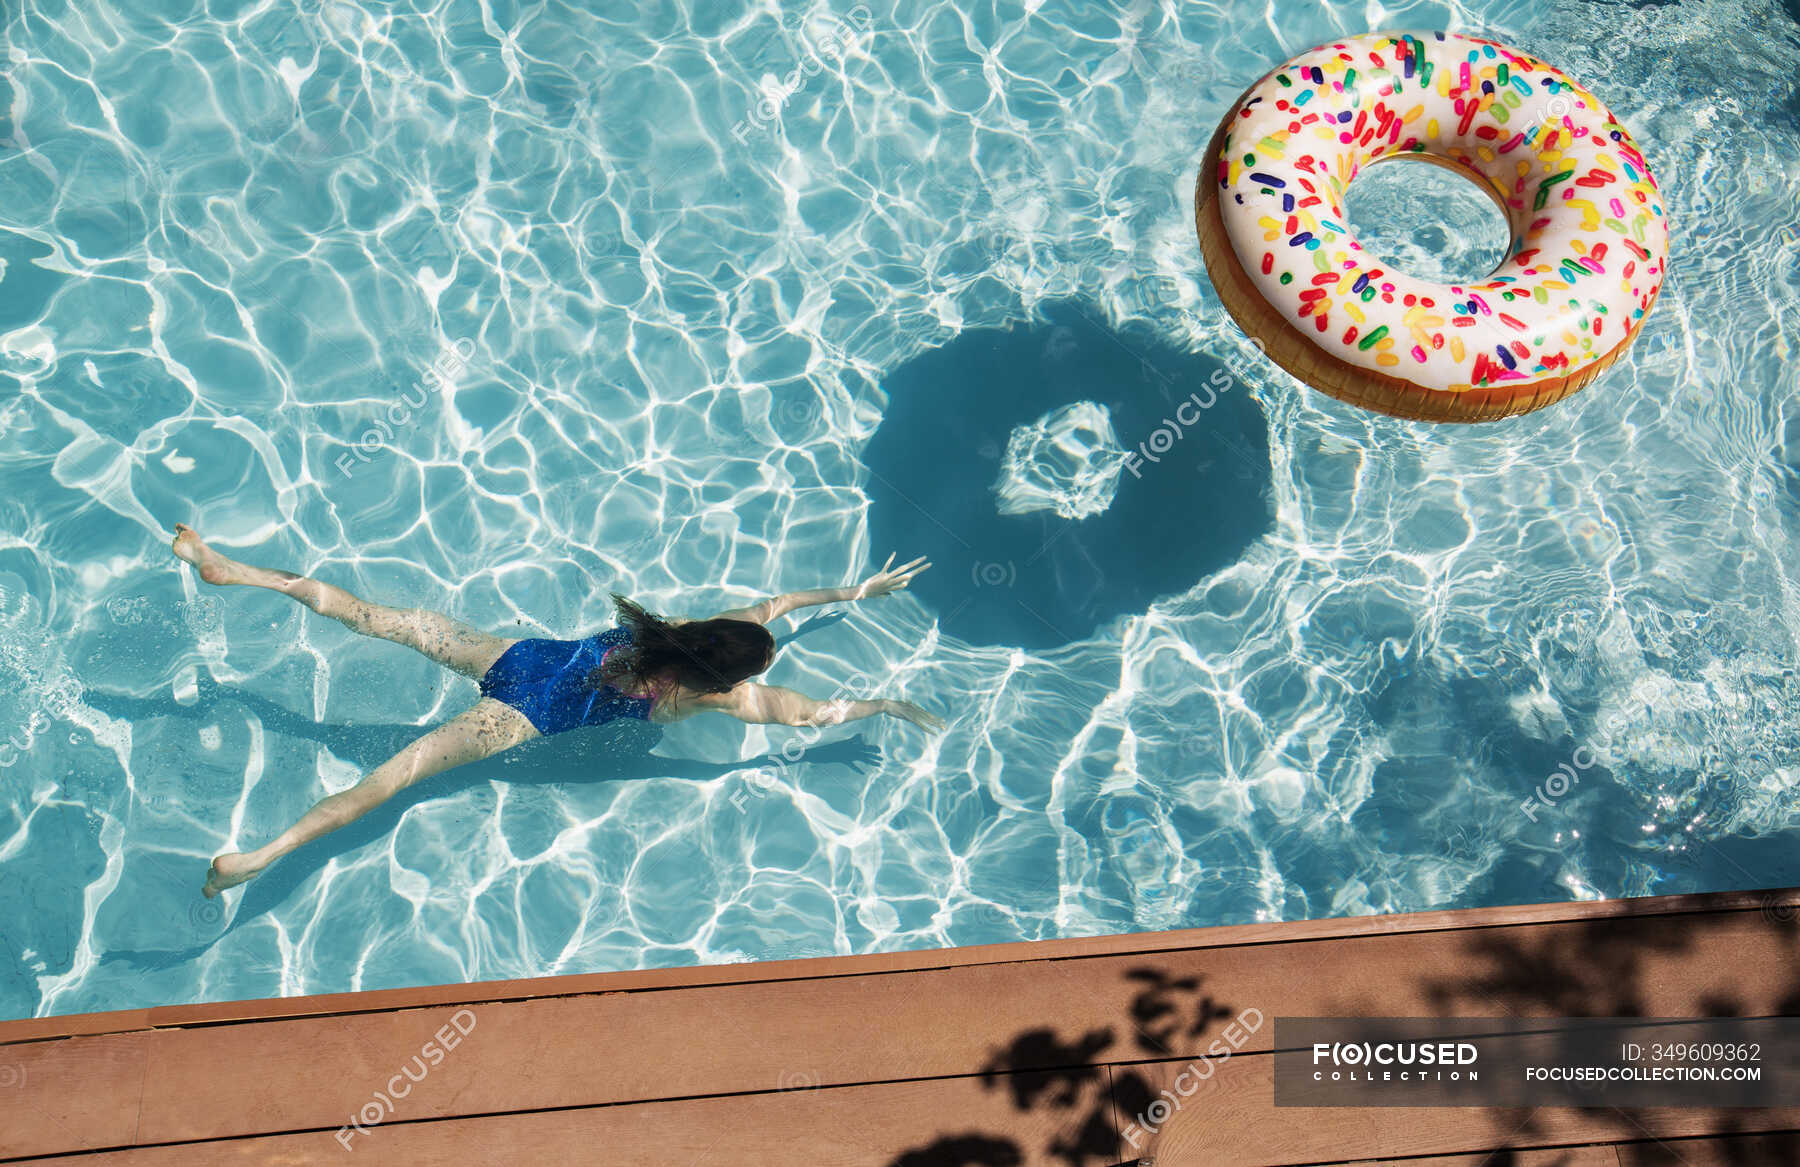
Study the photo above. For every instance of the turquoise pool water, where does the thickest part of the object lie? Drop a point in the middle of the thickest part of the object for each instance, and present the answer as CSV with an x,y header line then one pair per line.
x,y
730,299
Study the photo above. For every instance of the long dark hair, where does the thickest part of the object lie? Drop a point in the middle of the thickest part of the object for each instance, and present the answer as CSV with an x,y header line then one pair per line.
x,y
707,656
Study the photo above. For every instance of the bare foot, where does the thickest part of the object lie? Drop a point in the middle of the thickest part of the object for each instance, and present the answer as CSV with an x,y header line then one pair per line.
x,y
228,871
213,567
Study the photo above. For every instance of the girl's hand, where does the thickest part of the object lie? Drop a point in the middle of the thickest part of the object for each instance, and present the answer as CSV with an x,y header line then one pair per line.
x,y
907,711
887,581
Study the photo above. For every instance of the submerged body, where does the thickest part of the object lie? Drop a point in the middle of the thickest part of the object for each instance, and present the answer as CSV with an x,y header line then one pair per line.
x,y
547,682
648,667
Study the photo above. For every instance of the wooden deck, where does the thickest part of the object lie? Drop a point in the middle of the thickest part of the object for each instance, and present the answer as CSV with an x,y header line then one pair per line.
x,y
975,1057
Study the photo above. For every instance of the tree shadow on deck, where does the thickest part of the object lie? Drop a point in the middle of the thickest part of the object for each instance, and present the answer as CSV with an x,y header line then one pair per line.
x,y
1098,1112
1089,1100
1603,968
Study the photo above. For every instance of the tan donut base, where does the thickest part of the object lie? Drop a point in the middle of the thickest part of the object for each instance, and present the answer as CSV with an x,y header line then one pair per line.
x,y
1296,352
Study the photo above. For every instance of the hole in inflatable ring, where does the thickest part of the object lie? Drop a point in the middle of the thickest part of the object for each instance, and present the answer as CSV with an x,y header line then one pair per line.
x,y
1061,474
1432,223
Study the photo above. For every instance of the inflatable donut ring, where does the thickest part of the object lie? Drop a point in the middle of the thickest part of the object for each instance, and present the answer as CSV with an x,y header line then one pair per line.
x,y
1589,238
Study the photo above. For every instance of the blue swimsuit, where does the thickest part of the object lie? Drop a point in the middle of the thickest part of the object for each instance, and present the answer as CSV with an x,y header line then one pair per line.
x,y
546,680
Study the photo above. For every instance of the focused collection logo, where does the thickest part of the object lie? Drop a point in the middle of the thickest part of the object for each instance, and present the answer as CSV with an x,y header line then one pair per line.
x,y
1395,1061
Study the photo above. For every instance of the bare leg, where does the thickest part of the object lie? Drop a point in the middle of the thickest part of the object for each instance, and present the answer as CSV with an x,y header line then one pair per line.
x,y
450,643
481,732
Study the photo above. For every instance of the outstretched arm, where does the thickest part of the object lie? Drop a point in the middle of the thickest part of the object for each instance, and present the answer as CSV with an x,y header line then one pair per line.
x,y
888,580
773,705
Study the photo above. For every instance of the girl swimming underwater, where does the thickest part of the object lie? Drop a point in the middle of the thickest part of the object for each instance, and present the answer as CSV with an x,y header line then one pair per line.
x,y
648,667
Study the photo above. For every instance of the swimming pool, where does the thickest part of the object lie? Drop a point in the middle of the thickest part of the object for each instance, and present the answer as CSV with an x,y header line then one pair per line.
x,y
723,300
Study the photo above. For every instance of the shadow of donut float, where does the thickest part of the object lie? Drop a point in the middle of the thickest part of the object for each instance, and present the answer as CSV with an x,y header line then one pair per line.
x,y
1187,503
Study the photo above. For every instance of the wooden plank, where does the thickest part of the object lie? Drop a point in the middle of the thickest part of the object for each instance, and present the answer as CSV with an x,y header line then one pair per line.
x,y
312,1072
70,1094
868,1126
73,1025
861,1126
1231,1117
1783,1148
834,966
1601,1155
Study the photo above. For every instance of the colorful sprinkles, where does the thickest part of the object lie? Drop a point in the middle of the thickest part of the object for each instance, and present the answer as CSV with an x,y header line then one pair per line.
x,y
1590,237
